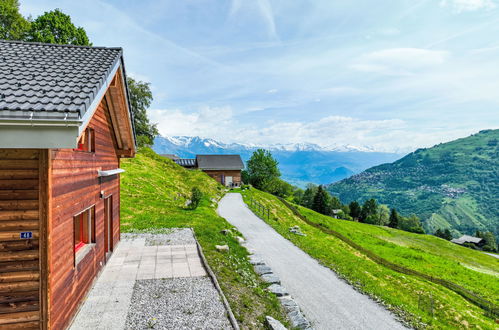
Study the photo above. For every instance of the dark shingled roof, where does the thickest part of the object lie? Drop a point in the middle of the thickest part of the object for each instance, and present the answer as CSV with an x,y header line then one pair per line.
x,y
47,81
219,162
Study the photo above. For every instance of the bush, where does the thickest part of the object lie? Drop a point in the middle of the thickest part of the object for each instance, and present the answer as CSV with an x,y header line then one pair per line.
x,y
196,196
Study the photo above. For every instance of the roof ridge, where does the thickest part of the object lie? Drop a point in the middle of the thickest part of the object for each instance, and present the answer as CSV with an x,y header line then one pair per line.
x,y
57,45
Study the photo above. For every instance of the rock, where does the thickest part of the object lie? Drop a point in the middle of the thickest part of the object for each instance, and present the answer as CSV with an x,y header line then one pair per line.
x,y
222,248
226,232
188,202
254,260
274,324
296,230
240,240
278,290
262,269
289,304
298,321
271,278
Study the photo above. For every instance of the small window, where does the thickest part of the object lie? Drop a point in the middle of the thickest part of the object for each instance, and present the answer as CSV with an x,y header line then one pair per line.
x,y
87,141
84,228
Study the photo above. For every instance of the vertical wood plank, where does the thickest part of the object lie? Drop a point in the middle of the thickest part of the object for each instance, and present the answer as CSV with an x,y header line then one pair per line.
x,y
44,211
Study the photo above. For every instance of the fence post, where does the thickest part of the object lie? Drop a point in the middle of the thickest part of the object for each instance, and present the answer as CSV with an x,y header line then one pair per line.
x,y
431,304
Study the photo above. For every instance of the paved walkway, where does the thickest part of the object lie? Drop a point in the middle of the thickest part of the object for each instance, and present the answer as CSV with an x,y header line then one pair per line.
x,y
327,301
493,255
107,304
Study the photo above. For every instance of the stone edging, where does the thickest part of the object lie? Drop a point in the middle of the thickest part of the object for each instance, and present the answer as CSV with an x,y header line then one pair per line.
x,y
213,278
292,309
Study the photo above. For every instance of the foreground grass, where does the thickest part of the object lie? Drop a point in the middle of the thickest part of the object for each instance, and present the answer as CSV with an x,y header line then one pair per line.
x,y
427,254
406,296
153,195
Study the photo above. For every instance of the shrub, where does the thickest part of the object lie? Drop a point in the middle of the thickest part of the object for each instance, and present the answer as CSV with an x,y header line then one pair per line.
x,y
196,196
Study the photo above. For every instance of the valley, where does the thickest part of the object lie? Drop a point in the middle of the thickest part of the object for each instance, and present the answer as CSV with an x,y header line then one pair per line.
x,y
299,164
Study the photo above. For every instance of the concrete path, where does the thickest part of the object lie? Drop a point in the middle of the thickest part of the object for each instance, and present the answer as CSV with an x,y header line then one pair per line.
x,y
493,255
327,301
108,303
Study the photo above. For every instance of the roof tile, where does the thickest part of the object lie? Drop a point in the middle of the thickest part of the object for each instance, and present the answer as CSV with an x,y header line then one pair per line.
x,y
44,77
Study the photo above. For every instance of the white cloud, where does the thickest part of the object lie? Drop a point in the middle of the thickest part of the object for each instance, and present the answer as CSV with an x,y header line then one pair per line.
x,y
272,91
400,60
468,5
262,7
221,124
207,122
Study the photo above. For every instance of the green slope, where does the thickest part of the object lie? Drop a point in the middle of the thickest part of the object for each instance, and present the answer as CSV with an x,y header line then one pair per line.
x,y
153,194
406,295
453,185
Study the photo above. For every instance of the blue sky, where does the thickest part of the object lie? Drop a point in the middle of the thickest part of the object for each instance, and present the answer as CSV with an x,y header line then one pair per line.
x,y
393,74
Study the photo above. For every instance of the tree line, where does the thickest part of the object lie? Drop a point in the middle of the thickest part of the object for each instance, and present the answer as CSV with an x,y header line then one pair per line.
x,y
56,27
263,173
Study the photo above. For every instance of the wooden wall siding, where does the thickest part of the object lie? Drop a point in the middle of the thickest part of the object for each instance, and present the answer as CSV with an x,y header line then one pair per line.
x,y
75,187
19,258
217,175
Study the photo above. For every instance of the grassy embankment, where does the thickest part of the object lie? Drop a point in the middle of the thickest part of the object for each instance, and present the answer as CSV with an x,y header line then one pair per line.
x,y
407,296
153,195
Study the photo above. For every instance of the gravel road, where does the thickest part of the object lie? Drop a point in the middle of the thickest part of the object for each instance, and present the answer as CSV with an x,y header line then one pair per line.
x,y
327,301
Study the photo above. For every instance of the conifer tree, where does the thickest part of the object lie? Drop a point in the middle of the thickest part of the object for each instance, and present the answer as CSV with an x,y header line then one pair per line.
x,y
394,219
355,210
321,201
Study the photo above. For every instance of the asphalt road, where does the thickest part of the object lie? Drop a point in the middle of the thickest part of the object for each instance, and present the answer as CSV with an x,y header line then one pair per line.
x,y
327,301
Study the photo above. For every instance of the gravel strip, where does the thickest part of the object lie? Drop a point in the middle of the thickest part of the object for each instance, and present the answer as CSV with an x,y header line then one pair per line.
x,y
178,303
164,236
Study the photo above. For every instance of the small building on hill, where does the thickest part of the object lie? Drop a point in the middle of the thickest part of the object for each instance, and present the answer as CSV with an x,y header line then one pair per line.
x,y
226,169
477,241
65,123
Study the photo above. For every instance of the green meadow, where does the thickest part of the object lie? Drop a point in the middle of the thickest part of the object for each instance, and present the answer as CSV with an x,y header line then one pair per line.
x,y
421,304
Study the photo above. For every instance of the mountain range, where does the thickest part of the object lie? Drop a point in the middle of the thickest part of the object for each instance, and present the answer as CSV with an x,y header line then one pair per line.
x,y
299,163
452,185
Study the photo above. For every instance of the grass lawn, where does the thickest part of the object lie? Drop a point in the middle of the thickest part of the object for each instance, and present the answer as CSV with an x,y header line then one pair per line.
x,y
406,296
153,195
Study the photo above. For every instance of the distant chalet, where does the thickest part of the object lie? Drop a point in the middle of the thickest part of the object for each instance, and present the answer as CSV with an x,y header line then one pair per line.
x,y
477,241
225,169
65,123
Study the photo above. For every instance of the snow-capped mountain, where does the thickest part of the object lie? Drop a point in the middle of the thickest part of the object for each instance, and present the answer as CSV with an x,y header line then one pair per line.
x,y
188,141
299,163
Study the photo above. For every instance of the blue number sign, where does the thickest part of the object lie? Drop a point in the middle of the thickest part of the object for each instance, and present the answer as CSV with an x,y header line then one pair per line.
x,y
26,235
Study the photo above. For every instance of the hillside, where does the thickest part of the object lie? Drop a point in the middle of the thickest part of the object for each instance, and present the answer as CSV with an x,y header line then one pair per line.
x,y
452,185
419,302
153,194
299,163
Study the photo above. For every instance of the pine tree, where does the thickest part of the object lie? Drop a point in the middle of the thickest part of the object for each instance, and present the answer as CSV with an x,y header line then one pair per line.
x,y
355,210
447,234
321,201
394,219
369,209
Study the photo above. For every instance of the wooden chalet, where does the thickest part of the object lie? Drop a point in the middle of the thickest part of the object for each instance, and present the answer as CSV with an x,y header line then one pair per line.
x,y
225,169
65,122
467,239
